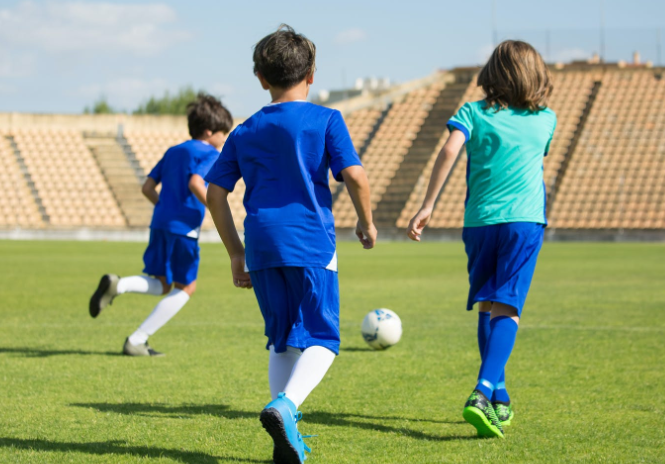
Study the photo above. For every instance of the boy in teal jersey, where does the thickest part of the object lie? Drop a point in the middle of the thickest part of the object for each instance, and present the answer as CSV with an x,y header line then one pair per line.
x,y
507,135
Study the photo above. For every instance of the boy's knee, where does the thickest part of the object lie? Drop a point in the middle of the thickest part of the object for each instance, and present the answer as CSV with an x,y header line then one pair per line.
x,y
484,306
188,289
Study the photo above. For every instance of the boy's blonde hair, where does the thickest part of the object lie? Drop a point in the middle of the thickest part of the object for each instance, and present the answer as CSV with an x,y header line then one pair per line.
x,y
516,76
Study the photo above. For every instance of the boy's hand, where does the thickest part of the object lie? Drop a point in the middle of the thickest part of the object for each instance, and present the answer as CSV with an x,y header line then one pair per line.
x,y
241,278
418,223
366,235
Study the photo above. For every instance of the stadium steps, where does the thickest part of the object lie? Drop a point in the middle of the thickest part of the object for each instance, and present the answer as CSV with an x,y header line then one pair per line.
x,y
361,151
28,179
131,157
551,197
399,190
122,179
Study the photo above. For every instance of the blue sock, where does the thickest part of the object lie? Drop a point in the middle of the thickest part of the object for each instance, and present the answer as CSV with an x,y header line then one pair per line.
x,y
500,394
499,346
483,332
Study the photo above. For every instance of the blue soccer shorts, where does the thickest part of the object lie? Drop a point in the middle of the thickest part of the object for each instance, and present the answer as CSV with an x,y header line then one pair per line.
x,y
502,260
172,255
300,307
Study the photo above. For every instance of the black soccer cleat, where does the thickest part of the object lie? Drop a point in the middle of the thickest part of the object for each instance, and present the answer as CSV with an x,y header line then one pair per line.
x,y
479,412
106,291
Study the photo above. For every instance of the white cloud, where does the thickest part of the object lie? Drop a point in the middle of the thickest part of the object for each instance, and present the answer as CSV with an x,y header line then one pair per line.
x,y
125,93
75,26
350,36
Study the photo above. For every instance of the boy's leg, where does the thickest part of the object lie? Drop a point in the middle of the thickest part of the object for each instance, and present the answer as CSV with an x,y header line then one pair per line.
x,y
144,285
308,372
180,256
319,307
167,307
280,368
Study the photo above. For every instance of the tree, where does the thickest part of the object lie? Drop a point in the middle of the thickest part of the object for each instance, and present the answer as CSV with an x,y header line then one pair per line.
x,y
169,104
101,106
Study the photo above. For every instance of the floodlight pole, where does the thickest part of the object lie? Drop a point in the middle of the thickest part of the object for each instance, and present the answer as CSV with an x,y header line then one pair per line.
x,y
658,48
602,31
495,34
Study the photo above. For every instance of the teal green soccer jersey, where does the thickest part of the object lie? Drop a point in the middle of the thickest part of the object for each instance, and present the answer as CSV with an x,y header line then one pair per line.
x,y
504,173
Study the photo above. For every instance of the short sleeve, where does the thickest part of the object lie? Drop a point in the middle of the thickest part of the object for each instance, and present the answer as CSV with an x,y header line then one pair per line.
x,y
200,165
225,172
156,172
463,121
549,141
340,146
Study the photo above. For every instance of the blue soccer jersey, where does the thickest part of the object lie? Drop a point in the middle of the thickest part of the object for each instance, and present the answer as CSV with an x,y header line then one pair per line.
x,y
178,210
283,153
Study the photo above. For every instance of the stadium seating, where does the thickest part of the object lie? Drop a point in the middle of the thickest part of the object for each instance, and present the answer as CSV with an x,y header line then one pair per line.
x,y
605,169
17,205
360,123
68,181
388,148
616,176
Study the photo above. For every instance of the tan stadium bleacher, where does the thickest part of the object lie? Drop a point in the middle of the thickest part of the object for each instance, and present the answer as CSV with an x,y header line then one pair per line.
x,y
150,145
360,123
450,206
17,205
616,176
388,148
71,187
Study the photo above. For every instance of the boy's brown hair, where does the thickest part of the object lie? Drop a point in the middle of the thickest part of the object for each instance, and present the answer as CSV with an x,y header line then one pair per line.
x,y
285,58
516,76
208,113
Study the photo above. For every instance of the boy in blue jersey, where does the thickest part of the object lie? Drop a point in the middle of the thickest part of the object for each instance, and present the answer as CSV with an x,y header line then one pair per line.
x,y
507,135
283,153
172,256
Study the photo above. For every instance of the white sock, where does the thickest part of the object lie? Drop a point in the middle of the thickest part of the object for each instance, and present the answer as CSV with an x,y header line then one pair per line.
x,y
163,312
280,367
308,373
140,284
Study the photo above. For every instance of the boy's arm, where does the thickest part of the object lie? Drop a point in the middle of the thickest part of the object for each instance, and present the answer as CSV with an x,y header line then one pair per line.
x,y
444,163
149,190
198,187
221,214
356,182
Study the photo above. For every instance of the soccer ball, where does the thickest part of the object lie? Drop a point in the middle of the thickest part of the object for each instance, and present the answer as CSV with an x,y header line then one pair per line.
x,y
381,328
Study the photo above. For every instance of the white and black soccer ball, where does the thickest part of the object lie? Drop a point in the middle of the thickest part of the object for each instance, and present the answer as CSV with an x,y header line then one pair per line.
x,y
381,328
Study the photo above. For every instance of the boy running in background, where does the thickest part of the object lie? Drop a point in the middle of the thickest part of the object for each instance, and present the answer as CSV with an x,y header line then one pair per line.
x,y
283,153
507,135
172,256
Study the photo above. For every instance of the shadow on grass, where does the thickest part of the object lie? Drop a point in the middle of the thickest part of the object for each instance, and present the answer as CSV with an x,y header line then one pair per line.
x,y
43,353
119,448
315,417
354,349
347,420
154,409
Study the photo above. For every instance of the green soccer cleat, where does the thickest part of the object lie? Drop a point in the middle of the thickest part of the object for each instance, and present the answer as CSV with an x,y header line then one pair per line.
x,y
504,412
478,411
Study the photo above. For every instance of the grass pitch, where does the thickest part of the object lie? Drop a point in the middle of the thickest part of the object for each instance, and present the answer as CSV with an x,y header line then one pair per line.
x,y
587,376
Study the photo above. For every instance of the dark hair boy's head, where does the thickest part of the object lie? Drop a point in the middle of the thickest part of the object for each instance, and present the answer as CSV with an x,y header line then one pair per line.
x,y
208,113
516,76
284,58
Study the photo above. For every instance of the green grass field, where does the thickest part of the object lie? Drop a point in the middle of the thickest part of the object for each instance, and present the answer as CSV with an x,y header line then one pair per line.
x,y
587,376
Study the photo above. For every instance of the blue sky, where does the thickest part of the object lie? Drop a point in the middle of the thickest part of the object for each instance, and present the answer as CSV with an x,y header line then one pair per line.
x,y
59,56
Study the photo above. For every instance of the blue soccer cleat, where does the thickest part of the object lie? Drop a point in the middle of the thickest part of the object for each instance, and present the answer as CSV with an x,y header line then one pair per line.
x,y
279,418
